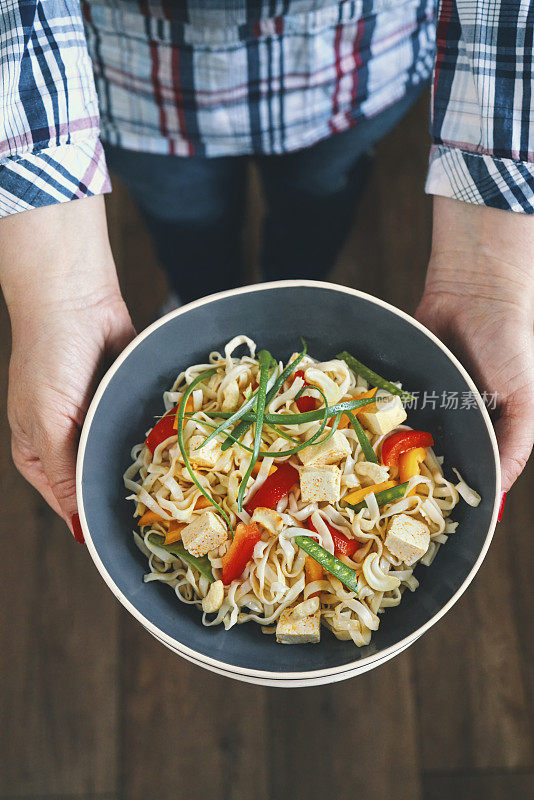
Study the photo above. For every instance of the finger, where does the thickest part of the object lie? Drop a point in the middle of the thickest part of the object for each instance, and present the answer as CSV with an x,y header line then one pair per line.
x,y
58,457
31,469
118,337
515,436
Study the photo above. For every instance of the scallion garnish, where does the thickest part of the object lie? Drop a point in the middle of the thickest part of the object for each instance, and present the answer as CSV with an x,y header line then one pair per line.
x,y
243,426
294,419
248,405
180,417
264,359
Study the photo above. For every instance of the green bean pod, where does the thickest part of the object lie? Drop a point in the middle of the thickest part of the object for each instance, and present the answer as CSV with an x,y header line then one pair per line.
x,y
176,549
371,377
386,496
366,445
329,562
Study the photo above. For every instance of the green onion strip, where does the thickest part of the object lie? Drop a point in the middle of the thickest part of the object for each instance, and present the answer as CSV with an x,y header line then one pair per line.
x,y
180,418
236,415
243,426
264,359
293,419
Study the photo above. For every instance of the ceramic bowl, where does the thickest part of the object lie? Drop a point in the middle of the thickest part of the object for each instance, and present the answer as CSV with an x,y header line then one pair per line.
x,y
276,315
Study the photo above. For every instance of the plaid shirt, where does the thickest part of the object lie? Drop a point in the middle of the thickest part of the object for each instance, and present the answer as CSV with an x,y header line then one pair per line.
x,y
214,78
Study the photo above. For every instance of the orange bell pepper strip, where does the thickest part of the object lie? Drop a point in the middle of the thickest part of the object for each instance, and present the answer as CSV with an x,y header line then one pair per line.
x,y
402,442
357,496
174,532
368,393
313,571
240,551
189,406
202,502
410,463
150,517
257,466
344,422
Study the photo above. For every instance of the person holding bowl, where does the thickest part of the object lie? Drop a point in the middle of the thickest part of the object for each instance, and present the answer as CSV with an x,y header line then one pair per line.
x,y
183,95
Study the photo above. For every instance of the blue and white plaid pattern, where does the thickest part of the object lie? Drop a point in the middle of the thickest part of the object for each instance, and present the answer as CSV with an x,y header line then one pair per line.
x,y
483,115
49,146
215,78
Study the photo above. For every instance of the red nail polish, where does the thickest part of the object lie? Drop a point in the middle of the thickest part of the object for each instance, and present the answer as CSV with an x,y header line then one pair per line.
x,y
77,529
501,507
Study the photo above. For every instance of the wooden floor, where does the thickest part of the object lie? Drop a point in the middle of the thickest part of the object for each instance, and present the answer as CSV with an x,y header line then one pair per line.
x,y
92,707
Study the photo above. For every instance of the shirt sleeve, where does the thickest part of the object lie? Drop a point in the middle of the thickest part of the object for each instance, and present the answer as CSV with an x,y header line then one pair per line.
x,y
50,150
482,123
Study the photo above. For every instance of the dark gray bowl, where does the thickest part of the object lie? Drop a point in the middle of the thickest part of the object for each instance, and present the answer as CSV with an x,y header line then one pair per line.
x,y
331,318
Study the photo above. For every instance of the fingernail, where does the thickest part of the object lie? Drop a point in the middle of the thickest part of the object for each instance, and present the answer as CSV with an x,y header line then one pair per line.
x,y
77,529
501,507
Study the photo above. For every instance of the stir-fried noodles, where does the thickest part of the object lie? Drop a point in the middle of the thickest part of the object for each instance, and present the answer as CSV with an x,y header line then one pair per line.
x,y
291,495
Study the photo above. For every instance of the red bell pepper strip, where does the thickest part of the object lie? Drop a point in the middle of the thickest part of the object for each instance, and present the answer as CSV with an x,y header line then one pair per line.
x,y
401,442
274,488
305,402
240,551
162,430
342,545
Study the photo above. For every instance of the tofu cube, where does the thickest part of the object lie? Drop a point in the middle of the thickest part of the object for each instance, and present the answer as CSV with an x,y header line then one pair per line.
x,y
205,533
208,455
301,631
370,473
329,452
407,538
321,483
386,416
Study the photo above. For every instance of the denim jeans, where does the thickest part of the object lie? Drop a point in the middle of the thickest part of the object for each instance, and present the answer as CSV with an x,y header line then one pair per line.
x,y
194,207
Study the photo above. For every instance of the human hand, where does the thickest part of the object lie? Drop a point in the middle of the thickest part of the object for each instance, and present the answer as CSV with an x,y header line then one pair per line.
x,y
68,320
479,299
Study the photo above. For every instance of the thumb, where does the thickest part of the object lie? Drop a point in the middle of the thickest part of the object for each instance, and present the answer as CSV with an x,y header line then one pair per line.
x,y
60,446
515,436
58,459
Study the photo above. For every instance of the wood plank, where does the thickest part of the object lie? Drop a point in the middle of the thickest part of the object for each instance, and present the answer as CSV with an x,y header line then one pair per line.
x,y
475,710
106,796
185,730
356,736
488,785
142,281
58,655
518,533
388,248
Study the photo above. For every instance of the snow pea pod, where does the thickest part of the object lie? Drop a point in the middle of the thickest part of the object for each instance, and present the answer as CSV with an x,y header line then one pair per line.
x,y
203,564
387,496
371,377
329,562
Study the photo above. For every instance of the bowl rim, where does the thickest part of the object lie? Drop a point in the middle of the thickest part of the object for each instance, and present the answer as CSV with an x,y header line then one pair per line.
x,y
249,674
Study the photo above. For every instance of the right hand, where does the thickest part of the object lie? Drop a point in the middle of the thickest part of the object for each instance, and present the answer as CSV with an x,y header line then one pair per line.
x,y
64,334
55,365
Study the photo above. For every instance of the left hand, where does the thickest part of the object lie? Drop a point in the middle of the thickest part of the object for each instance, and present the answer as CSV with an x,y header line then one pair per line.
x,y
479,300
